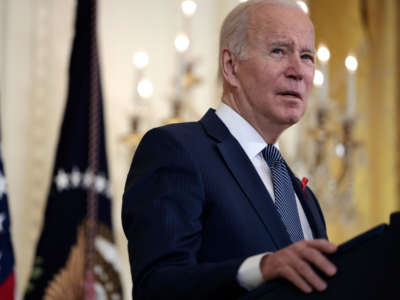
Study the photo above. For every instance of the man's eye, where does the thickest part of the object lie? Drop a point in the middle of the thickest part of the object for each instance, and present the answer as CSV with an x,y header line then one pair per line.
x,y
308,57
277,51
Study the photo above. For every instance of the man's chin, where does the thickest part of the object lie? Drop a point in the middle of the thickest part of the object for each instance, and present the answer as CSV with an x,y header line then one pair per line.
x,y
292,119
294,116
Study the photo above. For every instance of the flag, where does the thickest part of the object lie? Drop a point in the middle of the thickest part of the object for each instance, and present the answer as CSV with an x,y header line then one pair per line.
x,y
76,257
6,251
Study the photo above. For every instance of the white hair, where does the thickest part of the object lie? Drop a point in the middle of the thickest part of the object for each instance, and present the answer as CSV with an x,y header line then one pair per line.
x,y
234,29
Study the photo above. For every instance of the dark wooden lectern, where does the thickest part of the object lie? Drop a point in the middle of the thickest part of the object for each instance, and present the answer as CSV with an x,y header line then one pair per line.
x,y
368,268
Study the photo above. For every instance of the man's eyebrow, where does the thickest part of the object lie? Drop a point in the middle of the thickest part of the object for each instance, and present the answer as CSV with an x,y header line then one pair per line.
x,y
288,44
308,50
281,44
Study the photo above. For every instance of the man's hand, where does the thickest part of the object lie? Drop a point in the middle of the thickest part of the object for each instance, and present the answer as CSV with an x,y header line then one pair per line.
x,y
294,263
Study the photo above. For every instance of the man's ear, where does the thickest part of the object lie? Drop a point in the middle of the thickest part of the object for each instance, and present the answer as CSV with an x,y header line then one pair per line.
x,y
229,67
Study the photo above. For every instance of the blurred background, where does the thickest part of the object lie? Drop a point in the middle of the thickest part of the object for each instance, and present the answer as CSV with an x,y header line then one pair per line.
x,y
158,62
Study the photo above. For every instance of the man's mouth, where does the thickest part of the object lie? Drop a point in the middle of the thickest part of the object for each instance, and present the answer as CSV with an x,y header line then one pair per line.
x,y
290,94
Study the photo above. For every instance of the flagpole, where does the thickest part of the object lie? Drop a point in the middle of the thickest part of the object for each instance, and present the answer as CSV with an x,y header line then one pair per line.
x,y
93,156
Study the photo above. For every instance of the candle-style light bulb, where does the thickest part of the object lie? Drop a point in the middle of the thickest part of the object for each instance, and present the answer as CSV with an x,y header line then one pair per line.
x,y
182,42
351,64
189,7
318,78
141,59
323,54
303,6
145,88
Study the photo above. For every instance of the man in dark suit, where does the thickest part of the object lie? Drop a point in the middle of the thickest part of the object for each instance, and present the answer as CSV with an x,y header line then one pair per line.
x,y
210,209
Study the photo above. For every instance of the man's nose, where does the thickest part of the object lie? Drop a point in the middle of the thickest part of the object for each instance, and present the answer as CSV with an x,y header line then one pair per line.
x,y
295,68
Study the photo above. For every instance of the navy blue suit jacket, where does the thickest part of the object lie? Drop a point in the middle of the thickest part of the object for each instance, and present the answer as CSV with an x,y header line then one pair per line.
x,y
194,209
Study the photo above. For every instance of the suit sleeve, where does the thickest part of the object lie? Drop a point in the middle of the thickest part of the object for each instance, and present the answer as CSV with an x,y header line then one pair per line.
x,y
163,209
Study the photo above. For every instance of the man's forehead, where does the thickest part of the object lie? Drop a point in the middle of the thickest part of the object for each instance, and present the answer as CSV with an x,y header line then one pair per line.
x,y
268,16
280,22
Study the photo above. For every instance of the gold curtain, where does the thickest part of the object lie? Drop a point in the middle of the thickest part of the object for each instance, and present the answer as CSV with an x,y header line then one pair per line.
x,y
369,30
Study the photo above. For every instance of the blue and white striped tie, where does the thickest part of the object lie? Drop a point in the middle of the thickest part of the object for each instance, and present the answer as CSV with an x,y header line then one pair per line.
x,y
285,202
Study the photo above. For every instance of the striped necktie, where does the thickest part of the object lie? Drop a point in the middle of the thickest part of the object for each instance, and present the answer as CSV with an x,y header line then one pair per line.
x,y
285,202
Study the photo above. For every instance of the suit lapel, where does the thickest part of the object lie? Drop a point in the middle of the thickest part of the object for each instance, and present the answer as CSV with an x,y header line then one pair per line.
x,y
308,202
247,178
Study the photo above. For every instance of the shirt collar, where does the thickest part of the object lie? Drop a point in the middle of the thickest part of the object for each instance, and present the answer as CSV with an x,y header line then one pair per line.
x,y
250,140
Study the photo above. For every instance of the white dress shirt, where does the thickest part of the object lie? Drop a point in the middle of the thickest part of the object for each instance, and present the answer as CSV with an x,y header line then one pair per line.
x,y
249,275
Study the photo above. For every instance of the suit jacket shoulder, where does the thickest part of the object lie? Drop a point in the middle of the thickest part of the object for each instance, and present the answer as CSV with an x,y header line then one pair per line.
x,y
166,204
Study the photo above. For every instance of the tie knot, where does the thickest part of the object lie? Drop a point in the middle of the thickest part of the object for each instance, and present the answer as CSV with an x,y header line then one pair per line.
x,y
272,155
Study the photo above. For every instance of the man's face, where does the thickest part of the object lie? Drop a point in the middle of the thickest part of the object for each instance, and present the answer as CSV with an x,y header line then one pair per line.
x,y
275,78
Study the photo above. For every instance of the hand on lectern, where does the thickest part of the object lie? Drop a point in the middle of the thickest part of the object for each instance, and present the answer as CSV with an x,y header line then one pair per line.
x,y
295,262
